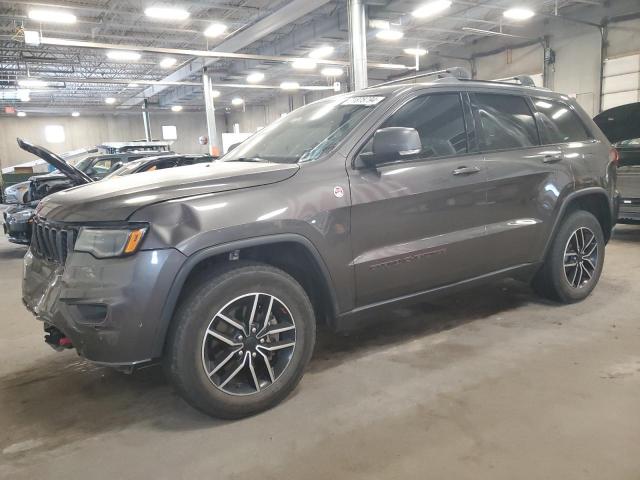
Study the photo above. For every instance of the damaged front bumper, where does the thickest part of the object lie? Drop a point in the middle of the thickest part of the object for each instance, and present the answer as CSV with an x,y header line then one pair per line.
x,y
108,308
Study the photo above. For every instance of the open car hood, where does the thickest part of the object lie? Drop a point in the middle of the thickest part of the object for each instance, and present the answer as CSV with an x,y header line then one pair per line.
x,y
78,177
620,123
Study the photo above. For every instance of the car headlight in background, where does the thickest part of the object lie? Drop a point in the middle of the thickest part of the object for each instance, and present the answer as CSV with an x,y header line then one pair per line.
x,y
21,216
110,242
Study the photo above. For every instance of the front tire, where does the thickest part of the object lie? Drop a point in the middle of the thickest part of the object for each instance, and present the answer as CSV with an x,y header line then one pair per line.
x,y
241,340
574,262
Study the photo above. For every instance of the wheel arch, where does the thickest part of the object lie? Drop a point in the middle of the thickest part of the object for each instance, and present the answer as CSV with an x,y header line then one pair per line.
x,y
594,200
301,258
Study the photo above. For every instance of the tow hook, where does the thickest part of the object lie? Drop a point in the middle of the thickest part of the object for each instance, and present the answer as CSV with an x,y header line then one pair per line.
x,y
58,340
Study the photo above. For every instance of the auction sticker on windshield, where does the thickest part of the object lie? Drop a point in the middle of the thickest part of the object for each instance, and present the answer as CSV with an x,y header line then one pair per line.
x,y
364,101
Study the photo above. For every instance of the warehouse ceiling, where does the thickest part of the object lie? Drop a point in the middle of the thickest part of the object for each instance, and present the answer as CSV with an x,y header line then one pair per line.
x,y
287,28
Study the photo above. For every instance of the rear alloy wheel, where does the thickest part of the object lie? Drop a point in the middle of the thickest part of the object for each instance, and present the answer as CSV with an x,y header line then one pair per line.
x,y
241,339
574,261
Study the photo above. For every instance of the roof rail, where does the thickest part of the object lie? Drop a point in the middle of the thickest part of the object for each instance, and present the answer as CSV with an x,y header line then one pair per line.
x,y
458,73
524,80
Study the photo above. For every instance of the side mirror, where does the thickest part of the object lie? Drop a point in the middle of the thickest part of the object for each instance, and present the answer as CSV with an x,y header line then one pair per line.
x,y
392,143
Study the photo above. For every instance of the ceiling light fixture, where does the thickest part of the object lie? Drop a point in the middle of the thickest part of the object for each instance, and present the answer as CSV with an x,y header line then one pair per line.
x,y
167,13
237,101
321,52
168,62
431,8
52,16
332,72
518,13
489,33
416,51
32,83
215,93
32,37
390,35
290,86
255,77
176,108
75,114
133,85
23,95
215,30
123,56
21,114
304,64
379,24
109,100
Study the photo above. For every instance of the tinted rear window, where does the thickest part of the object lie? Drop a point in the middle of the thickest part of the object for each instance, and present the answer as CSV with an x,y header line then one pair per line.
x,y
560,123
506,121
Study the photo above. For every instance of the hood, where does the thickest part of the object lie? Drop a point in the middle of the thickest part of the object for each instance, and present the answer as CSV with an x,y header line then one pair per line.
x,y
620,123
78,177
118,198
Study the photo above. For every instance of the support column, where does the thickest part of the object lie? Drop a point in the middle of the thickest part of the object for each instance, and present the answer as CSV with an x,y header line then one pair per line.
x,y
146,120
358,44
214,148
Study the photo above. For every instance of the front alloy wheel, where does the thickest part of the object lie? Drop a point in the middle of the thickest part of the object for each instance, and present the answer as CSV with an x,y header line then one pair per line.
x,y
580,257
248,344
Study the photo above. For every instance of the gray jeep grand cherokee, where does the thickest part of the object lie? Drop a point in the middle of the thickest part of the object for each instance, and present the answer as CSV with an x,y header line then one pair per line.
x,y
347,205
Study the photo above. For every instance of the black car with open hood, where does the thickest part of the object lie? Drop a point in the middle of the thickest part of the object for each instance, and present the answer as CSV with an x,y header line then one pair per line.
x,y
621,125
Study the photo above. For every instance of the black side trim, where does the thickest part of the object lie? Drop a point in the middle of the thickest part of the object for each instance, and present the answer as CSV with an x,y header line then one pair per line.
x,y
199,256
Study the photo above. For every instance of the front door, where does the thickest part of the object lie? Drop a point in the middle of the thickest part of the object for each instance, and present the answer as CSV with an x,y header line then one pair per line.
x,y
419,223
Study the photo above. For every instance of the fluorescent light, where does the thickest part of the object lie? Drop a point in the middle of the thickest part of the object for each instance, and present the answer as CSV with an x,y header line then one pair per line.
x,y
215,30
431,8
255,77
215,93
168,62
32,37
304,64
332,72
75,114
23,95
416,51
559,113
166,13
51,16
54,133
543,104
32,83
176,108
289,85
21,114
133,85
321,52
109,100
237,101
379,24
123,55
389,34
518,13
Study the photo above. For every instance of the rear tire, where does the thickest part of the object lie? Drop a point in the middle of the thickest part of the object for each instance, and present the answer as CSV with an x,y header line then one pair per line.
x,y
241,340
574,261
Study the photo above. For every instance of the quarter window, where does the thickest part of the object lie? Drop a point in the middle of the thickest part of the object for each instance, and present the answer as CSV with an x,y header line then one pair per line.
x,y
439,121
560,123
506,122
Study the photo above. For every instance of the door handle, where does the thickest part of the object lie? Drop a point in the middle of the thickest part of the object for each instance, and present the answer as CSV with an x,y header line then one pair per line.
x,y
552,157
466,170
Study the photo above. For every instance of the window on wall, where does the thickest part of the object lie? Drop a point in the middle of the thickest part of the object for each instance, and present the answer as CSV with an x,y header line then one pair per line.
x,y
54,133
169,132
560,123
506,122
439,121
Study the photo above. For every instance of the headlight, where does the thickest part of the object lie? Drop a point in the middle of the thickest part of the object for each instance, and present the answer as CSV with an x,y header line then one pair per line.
x,y
22,216
110,242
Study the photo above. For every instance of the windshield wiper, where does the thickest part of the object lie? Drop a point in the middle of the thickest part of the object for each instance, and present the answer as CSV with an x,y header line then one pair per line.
x,y
248,159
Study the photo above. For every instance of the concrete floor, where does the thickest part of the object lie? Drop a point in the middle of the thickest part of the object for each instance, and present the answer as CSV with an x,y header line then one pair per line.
x,y
492,384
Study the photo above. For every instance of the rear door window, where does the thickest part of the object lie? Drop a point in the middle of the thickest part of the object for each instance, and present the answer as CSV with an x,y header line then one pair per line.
x,y
505,122
560,124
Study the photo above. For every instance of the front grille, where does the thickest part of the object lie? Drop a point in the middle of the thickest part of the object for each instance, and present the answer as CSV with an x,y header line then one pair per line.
x,y
629,184
52,242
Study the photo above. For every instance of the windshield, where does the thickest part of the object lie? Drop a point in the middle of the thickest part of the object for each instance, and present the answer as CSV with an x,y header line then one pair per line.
x,y
307,133
126,169
85,163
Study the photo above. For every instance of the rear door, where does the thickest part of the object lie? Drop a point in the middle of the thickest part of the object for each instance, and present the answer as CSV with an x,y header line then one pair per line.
x,y
419,223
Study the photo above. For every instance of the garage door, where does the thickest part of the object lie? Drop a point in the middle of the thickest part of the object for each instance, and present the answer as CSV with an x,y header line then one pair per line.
x,y
621,81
